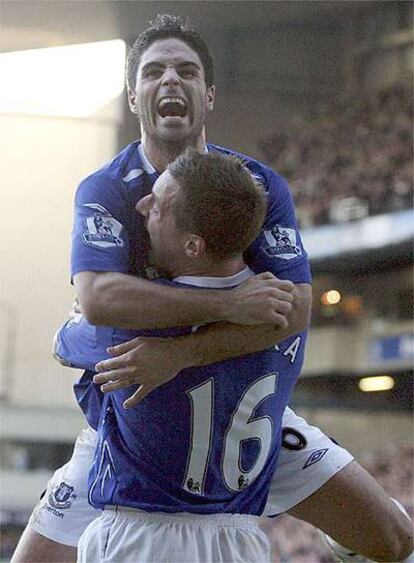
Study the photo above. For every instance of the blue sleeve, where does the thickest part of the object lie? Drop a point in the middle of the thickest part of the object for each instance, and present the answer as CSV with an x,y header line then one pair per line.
x,y
279,248
100,241
82,345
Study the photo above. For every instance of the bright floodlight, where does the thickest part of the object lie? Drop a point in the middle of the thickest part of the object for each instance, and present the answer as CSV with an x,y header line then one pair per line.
x,y
377,383
331,297
70,81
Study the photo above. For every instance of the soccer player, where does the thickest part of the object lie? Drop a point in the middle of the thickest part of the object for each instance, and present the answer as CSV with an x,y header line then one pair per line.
x,y
170,87
207,442
147,472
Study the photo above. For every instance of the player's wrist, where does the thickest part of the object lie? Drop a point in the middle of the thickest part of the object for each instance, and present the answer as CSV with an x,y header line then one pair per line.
x,y
225,306
189,351
213,306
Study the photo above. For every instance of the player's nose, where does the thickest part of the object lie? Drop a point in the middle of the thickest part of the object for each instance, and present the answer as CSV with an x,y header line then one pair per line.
x,y
170,76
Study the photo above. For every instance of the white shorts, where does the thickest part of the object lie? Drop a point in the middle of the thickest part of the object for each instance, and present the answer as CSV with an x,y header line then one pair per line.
x,y
133,536
64,512
307,460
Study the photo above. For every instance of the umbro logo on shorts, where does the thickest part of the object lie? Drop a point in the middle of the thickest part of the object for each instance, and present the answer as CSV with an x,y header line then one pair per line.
x,y
315,457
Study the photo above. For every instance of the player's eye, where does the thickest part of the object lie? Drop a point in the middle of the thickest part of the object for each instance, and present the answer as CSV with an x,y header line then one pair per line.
x,y
152,73
187,72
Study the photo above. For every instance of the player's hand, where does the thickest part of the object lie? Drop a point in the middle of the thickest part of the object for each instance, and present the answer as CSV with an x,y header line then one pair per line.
x,y
263,299
55,354
76,309
74,315
148,362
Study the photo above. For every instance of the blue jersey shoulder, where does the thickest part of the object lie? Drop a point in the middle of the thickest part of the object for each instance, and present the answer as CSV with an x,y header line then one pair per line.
x,y
279,248
108,233
120,165
260,171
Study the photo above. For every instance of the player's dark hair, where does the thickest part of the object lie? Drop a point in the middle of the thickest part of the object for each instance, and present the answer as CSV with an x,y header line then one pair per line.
x,y
218,200
165,26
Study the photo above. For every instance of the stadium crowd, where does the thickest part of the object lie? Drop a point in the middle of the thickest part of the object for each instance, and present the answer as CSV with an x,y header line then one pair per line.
x,y
356,153
298,542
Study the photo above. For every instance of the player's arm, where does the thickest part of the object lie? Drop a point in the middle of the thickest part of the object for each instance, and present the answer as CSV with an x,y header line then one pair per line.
x,y
151,362
124,301
221,341
110,297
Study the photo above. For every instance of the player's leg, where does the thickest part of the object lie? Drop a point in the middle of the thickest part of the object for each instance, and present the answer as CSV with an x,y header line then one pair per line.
x,y
33,547
63,512
305,476
353,509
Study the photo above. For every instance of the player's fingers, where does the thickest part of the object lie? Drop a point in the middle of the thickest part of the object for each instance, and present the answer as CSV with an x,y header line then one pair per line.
x,y
116,385
120,349
113,375
265,276
279,320
110,364
137,397
76,305
282,295
282,307
286,285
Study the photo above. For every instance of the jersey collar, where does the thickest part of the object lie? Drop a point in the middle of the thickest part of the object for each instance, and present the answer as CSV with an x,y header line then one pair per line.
x,y
216,282
146,164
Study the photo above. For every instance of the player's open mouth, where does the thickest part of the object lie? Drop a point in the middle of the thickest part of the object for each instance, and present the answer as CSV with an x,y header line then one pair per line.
x,y
172,107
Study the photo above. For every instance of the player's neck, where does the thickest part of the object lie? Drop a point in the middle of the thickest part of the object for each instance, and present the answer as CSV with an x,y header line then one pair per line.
x,y
210,268
161,154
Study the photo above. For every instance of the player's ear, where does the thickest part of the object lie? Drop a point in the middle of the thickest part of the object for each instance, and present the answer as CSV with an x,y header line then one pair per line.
x,y
210,95
132,100
195,246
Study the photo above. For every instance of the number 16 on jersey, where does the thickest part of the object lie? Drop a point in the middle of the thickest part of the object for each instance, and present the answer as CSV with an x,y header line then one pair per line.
x,y
241,427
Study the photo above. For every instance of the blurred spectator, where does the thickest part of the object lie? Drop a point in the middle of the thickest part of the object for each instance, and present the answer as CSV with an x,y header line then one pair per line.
x,y
360,149
297,542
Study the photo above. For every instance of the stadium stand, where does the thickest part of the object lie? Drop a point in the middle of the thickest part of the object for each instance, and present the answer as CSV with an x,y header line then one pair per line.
x,y
352,159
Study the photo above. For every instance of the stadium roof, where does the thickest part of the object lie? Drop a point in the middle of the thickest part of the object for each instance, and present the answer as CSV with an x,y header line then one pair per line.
x,y
28,24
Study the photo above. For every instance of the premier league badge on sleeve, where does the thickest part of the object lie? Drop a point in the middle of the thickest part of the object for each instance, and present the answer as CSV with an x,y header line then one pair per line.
x,y
102,229
281,242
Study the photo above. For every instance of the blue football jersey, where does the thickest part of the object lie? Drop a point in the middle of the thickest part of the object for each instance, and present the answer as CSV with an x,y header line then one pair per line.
x,y
205,442
109,235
